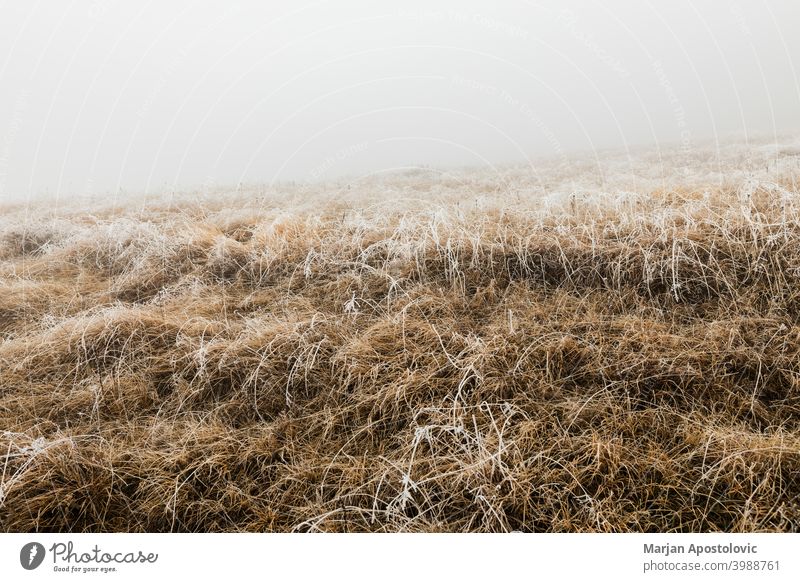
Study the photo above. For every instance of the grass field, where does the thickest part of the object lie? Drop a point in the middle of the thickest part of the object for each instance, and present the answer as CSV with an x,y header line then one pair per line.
x,y
607,345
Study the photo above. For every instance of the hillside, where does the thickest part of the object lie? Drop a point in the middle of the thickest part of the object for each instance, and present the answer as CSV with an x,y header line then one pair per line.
x,y
584,345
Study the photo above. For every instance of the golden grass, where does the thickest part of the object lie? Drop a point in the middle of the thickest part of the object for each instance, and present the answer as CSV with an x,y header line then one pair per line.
x,y
593,364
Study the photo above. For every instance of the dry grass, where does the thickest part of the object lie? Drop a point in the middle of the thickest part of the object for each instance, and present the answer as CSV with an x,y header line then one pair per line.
x,y
489,361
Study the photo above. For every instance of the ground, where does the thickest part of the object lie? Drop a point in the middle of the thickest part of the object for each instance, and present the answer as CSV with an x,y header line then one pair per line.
x,y
602,343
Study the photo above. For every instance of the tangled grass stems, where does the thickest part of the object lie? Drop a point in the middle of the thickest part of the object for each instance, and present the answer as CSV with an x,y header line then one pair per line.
x,y
592,363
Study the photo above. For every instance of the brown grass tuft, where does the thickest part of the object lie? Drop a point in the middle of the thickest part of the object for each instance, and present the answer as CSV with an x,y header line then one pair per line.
x,y
591,364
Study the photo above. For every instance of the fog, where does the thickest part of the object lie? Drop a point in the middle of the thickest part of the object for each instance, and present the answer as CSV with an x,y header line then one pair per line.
x,y
117,97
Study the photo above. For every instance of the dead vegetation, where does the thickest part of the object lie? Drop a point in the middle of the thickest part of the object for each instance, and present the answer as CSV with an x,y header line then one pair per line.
x,y
596,363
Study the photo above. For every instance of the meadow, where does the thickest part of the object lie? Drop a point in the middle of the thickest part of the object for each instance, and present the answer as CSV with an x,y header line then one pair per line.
x,y
591,344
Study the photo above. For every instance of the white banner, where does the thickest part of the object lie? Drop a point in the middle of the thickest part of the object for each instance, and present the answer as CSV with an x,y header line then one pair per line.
x,y
409,557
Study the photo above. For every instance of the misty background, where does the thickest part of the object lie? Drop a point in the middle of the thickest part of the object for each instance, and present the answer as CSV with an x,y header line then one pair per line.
x,y
114,97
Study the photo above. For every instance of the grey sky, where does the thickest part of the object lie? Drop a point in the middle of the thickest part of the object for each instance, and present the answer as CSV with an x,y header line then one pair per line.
x,y
147,96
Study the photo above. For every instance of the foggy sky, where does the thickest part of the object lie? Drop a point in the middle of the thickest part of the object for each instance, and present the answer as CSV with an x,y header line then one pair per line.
x,y
149,96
